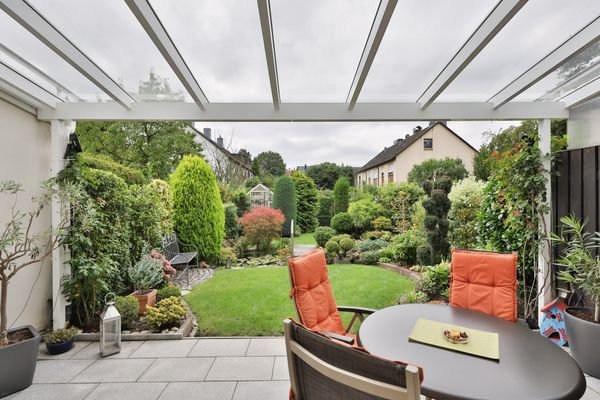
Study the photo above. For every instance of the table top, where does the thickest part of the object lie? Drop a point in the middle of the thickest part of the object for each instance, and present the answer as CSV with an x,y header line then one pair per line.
x,y
530,367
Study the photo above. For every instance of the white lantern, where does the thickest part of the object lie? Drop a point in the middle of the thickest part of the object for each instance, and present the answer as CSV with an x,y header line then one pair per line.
x,y
110,328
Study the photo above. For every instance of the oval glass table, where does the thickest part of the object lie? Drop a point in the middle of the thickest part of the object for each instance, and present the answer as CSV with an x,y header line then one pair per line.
x,y
530,367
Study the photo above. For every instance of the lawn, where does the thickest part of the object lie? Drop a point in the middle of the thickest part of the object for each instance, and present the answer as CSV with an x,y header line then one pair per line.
x,y
254,301
305,238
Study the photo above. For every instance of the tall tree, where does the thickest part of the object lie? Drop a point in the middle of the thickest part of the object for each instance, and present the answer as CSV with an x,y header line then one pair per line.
x,y
245,156
341,195
428,170
326,174
284,198
308,201
268,163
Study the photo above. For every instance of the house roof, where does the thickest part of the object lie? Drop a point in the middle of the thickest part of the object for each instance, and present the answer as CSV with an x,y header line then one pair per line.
x,y
390,153
223,149
259,188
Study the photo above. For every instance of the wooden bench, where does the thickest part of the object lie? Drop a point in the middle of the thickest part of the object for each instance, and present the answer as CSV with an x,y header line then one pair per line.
x,y
180,260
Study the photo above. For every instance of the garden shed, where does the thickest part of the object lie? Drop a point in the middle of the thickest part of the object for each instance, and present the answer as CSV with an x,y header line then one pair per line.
x,y
260,196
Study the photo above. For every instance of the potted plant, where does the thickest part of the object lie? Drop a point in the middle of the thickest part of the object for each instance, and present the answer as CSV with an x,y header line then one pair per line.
x,y
60,341
145,276
23,247
582,271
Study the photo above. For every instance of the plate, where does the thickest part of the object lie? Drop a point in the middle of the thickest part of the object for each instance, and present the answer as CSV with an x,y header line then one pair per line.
x,y
456,336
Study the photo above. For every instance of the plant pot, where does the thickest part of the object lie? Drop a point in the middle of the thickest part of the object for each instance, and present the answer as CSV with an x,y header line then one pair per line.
x,y
584,341
59,348
144,300
18,362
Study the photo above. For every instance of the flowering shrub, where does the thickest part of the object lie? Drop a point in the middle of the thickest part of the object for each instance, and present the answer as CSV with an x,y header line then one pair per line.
x,y
168,271
262,225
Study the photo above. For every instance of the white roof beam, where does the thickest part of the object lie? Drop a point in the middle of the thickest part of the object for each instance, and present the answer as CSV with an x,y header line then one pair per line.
x,y
567,50
35,23
266,26
583,94
24,86
16,101
147,17
487,30
380,23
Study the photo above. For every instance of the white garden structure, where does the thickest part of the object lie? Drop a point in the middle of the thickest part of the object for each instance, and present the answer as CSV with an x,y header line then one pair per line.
x,y
63,61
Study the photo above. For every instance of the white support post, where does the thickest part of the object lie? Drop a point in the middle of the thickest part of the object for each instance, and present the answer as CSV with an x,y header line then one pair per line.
x,y
59,131
545,251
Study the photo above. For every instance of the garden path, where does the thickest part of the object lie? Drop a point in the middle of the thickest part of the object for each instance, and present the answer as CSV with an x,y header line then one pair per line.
x,y
197,275
301,249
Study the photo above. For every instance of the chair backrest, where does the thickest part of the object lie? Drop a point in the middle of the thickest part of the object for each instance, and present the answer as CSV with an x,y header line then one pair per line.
x,y
170,246
321,369
485,281
312,293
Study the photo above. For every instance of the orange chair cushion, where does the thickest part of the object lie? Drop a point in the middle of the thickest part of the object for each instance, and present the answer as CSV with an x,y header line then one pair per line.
x,y
485,281
313,294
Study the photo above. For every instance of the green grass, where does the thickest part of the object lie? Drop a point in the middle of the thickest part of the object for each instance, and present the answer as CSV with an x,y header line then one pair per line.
x,y
255,301
305,238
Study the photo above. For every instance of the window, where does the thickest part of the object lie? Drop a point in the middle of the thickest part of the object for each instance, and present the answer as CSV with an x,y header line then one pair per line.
x,y
390,177
428,144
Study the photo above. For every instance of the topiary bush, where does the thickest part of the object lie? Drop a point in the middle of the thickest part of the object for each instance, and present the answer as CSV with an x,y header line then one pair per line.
x,y
341,195
168,291
342,223
363,212
437,206
198,209
232,225
345,244
369,258
261,226
406,244
322,235
128,308
307,197
332,247
424,255
166,314
325,208
284,199
162,191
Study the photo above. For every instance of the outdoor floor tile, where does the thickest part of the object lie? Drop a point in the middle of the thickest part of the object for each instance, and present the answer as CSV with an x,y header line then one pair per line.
x,y
92,352
280,370
164,348
178,370
128,391
272,390
56,391
59,371
220,347
266,347
590,395
241,369
77,347
198,391
114,371
593,383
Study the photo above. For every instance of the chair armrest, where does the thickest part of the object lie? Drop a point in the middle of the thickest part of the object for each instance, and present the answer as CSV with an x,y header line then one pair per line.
x,y
345,339
187,246
357,310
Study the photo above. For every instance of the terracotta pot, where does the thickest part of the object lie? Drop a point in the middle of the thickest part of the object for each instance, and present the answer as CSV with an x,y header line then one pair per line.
x,y
147,299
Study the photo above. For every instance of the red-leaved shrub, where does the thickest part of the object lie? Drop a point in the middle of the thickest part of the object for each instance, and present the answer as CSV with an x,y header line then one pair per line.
x,y
262,225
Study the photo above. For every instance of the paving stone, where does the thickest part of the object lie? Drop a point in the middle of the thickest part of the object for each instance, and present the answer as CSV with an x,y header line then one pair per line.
x,y
92,352
59,371
54,391
241,369
266,347
127,370
198,391
271,390
164,348
77,347
129,391
220,347
590,395
178,370
593,383
280,369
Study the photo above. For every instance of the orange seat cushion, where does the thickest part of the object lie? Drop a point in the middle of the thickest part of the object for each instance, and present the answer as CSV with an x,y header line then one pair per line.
x,y
313,294
485,281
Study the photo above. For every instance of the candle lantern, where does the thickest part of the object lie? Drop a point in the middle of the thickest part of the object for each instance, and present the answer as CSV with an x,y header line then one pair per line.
x,y
110,328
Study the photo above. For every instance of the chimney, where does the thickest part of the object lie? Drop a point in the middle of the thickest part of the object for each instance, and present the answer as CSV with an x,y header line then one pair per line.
x,y
220,141
207,133
398,141
417,129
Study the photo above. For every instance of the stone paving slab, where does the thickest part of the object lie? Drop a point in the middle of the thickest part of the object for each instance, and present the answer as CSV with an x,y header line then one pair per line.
x,y
178,370
92,351
59,371
54,392
128,370
280,369
220,348
127,391
77,346
199,391
269,390
241,369
164,348
266,347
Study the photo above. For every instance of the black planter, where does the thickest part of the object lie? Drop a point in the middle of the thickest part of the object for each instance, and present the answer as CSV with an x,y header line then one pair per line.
x,y
59,348
17,363
584,341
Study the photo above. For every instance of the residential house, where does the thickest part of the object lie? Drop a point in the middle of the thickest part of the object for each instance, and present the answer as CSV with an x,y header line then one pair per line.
x,y
437,141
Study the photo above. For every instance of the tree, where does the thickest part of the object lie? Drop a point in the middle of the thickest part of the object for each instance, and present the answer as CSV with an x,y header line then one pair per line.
x,y
199,215
363,212
284,199
325,207
341,195
437,206
245,156
400,201
453,168
308,201
326,174
465,198
261,226
268,163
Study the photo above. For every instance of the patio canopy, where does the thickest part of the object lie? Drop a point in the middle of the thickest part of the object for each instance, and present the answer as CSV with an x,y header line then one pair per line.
x,y
275,60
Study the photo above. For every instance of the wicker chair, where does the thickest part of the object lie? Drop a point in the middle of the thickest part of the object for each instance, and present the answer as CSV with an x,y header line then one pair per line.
x,y
322,369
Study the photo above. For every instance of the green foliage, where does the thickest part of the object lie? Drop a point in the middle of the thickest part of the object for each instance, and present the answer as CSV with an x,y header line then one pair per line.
x,y
424,255
284,198
401,202
326,174
341,195
465,198
430,169
345,244
60,335
342,223
168,291
325,208
232,226
261,226
372,235
436,224
242,202
198,209
369,257
162,191
268,163
323,234
363,212
332,247
104,162
144,220
371,245
128,308
251,182
413,297
307,197
387,253
406,244
382,223
496,144
146,274
166,314
435,280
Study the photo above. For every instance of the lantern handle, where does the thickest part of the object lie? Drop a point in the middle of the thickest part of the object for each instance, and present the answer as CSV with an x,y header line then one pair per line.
x,y
114,297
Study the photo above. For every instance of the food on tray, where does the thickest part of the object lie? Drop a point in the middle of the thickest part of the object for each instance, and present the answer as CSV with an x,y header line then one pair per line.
x,y
456,335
